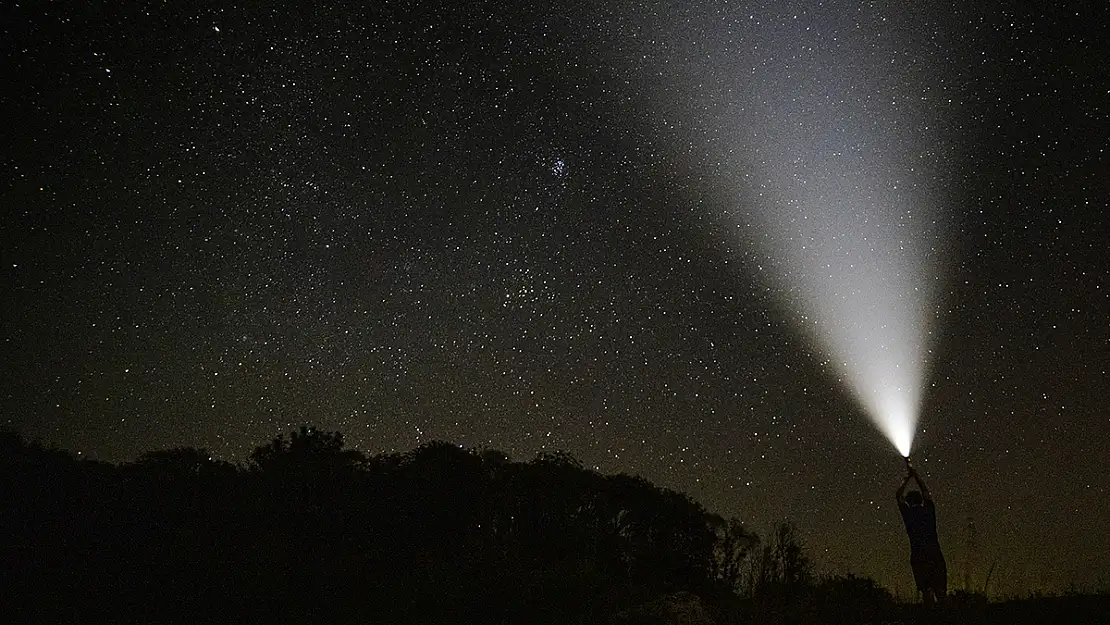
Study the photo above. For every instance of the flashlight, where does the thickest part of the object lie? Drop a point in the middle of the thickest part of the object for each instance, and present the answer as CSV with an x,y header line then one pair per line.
x,y
909,465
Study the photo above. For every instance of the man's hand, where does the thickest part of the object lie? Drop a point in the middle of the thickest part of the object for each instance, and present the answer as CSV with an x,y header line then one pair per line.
x,y
901,494
920,483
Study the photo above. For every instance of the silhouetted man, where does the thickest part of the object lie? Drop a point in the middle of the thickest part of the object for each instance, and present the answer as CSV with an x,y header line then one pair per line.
x,y
920,517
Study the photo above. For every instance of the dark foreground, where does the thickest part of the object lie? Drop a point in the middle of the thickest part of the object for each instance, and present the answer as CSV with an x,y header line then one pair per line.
x,y
810,608
310,532
1069,609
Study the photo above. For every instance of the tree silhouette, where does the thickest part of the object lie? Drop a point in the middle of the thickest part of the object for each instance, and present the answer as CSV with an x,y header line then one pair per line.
x,y
310,531
732,553
309,453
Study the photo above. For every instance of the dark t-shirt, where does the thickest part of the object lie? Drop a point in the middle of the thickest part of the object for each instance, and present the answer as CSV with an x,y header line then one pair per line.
x,y
921,523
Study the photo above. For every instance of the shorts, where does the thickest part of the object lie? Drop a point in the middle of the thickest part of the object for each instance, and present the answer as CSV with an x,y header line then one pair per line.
x,y
929,569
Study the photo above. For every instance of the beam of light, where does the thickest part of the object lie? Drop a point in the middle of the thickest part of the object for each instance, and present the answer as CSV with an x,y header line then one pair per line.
x,y
847,211
858,277
829,123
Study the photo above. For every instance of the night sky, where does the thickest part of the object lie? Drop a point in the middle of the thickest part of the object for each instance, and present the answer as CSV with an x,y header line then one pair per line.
x,y
545,227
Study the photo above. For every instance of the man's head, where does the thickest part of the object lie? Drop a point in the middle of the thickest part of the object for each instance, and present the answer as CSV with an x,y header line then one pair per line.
x,y
914,498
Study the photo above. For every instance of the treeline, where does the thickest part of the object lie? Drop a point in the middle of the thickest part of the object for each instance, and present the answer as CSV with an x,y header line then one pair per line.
x,y
309,531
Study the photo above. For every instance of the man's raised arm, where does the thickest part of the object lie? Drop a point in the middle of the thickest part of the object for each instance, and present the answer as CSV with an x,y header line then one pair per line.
x,y
901,494
925,494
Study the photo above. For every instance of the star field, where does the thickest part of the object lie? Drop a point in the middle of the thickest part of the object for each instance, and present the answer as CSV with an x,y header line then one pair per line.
x,y
534,228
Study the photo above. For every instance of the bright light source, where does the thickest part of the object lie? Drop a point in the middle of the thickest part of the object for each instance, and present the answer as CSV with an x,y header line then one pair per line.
x,y
897,423
877,345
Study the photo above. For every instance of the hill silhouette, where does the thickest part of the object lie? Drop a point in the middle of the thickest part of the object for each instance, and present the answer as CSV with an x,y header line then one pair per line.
x,y
307,531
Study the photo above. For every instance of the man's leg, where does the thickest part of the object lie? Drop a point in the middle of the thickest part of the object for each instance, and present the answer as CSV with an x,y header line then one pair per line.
x,y
929,598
